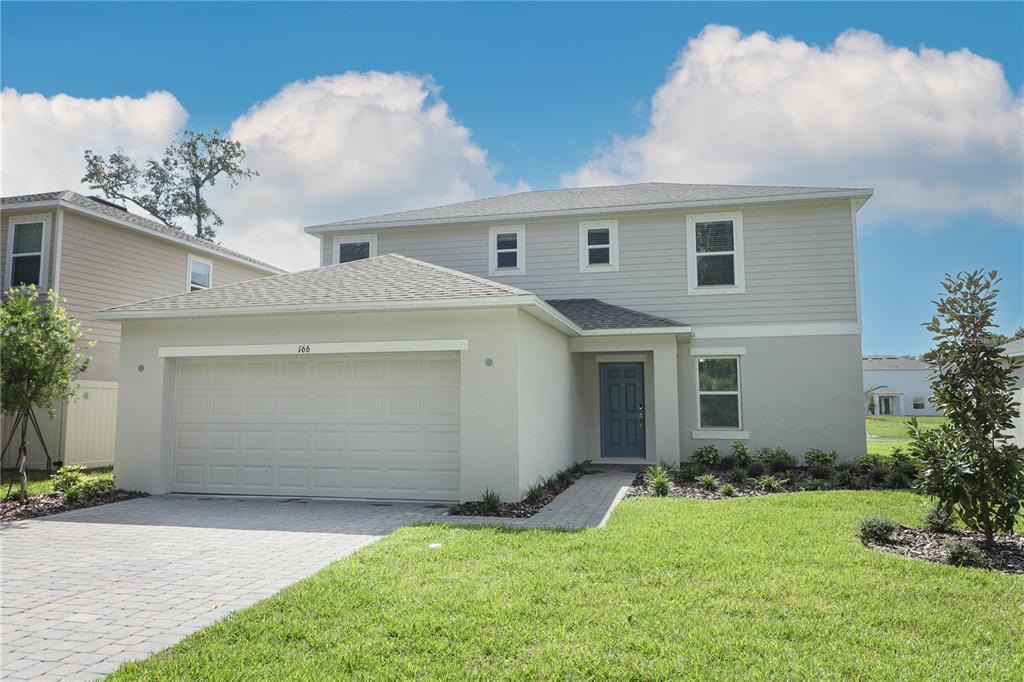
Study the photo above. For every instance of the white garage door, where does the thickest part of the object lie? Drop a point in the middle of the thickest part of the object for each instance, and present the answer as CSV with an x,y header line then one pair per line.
x,y
368,425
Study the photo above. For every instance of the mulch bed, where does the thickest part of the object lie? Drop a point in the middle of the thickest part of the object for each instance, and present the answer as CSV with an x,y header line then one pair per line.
x,y
516,510
45,504
680,488
1005,554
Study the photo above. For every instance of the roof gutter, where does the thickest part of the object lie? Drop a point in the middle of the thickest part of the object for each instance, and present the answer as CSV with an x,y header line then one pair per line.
x,y
860,197
66,205
532,303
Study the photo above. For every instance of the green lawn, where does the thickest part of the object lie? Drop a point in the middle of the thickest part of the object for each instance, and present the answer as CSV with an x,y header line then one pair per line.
x,y
885,447
39,482
773,587
896,427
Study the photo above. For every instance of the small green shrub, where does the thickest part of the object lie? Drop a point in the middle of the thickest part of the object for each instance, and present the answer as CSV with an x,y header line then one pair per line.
x,y
728,490
814,484
709,482
578,469
965,555
742,453
844,479
756,468
899,479
770,484
490,500
737,475
657,477
68,477
938,520
536,492
822,471
706,455
781,461
876,529
690,472
815,456
870,461
877,475
727,462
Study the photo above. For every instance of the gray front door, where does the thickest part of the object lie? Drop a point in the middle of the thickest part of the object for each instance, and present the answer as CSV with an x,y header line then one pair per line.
x,y
622,410
885,405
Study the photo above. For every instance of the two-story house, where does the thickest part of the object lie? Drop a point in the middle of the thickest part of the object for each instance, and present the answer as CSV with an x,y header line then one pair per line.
x,y
442,351
96,255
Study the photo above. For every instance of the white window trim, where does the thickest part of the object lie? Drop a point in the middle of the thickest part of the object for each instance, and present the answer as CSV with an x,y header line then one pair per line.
x,y
44,260
351,239
613,245
188,273
520,250
737,253
738,430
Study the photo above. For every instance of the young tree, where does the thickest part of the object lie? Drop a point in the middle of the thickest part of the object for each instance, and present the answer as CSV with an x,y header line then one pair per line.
x,y
173,186
40,355
969,463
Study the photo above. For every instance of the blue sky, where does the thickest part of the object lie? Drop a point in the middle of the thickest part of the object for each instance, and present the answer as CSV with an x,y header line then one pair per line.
x,y
540,87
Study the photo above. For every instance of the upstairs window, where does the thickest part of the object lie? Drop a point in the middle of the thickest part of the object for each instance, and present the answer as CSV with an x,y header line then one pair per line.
x,y
28,238
350,248
715,253
507,250
718,392
200,273
599,245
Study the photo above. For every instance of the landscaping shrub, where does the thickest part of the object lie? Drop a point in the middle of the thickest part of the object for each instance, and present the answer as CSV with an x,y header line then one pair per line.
x,y
755,468
781,461
938,520
88,489
876,529
490,500
814,484
706,455
770,484
820,457
899,479
965,555
690,472
844,479
536,492
68,477
822,471
728,490
727,462
877,475
709,482
742,453
870,460
737,475
657,477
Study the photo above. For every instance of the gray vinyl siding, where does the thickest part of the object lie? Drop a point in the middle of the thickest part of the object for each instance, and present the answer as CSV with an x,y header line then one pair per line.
x,y
799,262
104,265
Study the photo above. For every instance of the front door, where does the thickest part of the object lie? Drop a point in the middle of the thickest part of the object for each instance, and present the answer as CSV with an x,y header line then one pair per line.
x,y
622,410
885,405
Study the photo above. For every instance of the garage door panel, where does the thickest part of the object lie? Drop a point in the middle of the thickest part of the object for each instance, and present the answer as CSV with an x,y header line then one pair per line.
x,y
359,426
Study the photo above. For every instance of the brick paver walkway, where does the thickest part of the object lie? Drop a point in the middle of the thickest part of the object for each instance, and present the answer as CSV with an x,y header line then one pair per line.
x,y
84,591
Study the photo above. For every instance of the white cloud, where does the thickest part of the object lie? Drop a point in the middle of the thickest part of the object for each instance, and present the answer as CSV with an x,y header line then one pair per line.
x,y
43,138
935,133
346,146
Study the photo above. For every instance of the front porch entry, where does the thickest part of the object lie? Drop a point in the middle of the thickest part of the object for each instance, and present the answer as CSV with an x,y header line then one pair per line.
x,y
623,429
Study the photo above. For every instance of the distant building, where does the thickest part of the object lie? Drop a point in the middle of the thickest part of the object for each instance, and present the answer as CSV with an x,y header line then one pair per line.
x,y
897,386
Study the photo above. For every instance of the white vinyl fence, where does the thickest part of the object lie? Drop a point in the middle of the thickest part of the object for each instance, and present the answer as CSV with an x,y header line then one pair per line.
x,y
90,425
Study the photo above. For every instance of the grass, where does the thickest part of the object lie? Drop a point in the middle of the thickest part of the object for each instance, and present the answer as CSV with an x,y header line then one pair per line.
x,y
885,447
775,587
39,482
896,427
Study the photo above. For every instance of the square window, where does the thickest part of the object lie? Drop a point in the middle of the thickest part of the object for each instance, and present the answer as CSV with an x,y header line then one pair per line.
x,y
507,240
507,251
507,259
25,270
600,256
28,238
598,237
350,251
918,403
715,270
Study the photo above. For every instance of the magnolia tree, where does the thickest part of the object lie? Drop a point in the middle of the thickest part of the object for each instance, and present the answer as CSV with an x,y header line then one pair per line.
x,y
41,356
969,464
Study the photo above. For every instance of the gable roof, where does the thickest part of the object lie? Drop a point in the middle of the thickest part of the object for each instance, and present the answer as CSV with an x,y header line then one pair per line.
x,y
883,362
590,313
105,210
1014,349
582,200
388,282
886,390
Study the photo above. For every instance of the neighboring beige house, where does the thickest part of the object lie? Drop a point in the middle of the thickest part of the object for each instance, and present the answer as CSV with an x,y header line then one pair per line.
x,y
96,255
897,386
442,351
1015,349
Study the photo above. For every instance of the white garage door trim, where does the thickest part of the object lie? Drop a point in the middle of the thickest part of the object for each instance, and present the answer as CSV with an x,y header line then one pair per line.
x,y
428,345
362,425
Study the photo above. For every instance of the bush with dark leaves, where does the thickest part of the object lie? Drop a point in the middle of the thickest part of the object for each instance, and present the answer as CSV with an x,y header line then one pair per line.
x,y
965,555
876,529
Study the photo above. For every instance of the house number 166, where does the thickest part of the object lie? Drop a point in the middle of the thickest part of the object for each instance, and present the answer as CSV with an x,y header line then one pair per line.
x,y
304,348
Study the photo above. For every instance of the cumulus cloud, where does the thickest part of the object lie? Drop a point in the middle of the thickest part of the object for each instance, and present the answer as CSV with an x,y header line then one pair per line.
x,y
345,146
934,132
42,139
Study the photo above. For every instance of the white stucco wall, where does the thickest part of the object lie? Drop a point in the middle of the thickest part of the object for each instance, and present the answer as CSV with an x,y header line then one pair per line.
x,y
489,401
797,392
913,383
547,406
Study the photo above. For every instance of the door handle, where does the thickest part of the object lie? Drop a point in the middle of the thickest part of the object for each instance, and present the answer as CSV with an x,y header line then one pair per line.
x,y
640,413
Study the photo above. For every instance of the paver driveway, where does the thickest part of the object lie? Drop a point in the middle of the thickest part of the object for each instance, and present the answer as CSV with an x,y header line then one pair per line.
x,y
84,591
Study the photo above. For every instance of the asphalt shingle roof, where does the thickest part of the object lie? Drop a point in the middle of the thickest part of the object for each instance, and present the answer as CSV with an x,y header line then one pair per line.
x,y
1014,348
892,362
127,216
614,196
381,279
590,313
